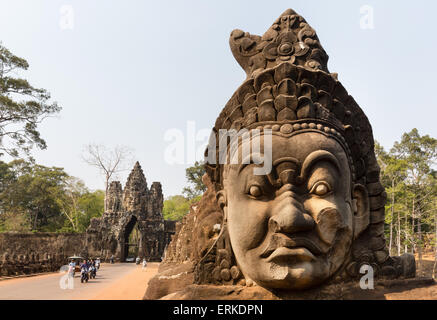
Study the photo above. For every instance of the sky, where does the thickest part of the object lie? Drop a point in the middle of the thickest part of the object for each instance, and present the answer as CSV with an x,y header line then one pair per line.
x,y
130,72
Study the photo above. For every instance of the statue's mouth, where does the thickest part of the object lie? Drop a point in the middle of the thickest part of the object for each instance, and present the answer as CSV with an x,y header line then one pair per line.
x,y
284,248
285,255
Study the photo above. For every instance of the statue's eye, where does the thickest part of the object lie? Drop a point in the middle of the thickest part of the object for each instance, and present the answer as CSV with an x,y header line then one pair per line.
x,y
321,188
255,191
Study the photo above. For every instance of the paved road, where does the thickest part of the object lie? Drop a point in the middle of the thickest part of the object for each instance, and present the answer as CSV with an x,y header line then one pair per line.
x,y
109,278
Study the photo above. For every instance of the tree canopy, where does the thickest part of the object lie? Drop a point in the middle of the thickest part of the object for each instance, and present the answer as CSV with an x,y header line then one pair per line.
x,y
38,198
194,176
22,107
176,207
409,177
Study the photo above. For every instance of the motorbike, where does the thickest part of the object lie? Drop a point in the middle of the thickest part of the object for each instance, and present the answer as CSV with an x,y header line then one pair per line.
x,y
84,275
93,272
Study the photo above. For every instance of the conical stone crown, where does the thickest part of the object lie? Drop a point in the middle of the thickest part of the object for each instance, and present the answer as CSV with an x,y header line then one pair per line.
x,y
135,191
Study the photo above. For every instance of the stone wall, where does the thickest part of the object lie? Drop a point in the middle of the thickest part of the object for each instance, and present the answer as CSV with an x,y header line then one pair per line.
x,y
26,253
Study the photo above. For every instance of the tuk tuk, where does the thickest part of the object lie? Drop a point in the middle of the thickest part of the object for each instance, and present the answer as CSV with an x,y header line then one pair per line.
x,y
77,260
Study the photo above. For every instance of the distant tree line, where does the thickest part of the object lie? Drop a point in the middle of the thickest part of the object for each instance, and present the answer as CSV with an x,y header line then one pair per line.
x,y
176,207
409,176
45,199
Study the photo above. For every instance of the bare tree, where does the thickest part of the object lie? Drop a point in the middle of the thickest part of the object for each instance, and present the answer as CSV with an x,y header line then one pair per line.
x,y
108,161
70,202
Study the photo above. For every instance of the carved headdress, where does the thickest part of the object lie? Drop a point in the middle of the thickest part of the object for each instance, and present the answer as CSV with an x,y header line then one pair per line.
x,y
290,90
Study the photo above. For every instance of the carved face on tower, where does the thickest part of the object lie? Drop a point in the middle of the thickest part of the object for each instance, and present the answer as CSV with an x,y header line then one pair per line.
x,y
293,227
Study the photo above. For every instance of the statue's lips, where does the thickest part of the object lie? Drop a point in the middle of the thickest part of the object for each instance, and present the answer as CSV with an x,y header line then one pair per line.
x,y
282,246
289,255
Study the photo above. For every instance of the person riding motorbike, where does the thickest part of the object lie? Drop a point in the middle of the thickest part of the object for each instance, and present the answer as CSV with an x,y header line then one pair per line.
x,y
92,271
84,269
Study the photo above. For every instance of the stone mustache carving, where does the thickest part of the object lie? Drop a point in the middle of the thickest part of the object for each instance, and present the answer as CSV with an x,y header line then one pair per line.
x,y
319,214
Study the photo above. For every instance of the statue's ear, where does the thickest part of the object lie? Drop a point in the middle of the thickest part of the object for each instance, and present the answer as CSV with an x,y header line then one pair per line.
x,y
221,199
222,202
360,206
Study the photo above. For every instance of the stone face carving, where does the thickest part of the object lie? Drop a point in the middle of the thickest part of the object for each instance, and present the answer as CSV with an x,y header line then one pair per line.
x,y
136,192
318,215
115,196
320,212
136,204
293,228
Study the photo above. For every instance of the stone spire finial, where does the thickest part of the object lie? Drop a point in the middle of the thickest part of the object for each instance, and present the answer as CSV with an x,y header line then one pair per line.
x,y
135,189
136,176
290,38
137,166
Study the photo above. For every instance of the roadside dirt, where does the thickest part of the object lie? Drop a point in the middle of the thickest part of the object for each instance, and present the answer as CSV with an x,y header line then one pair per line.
x,y
131,287
425,293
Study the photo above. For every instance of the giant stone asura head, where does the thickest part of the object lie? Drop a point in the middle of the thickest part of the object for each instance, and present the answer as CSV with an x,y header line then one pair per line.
x,y
297,179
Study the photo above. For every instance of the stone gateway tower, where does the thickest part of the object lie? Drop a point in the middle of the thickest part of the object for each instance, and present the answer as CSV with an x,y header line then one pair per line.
x,y
133,224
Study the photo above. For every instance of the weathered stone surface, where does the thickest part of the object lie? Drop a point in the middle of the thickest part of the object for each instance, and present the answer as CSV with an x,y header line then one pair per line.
x,y
375,189
205,292
338,291
409,265
26,253
377,216
115,197
172,278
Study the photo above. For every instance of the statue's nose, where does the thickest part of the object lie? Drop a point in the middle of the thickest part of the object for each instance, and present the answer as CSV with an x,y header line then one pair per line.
x,y
291,218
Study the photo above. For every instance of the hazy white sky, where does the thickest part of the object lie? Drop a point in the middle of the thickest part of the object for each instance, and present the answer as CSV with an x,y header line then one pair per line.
x,y
128,71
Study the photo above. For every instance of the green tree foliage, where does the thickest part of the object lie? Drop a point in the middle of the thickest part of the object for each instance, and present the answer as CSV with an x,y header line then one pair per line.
x,y
176,207
33,194
38,198
393,174
22,107
7,175
79,205
90,206
194,176
409,176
